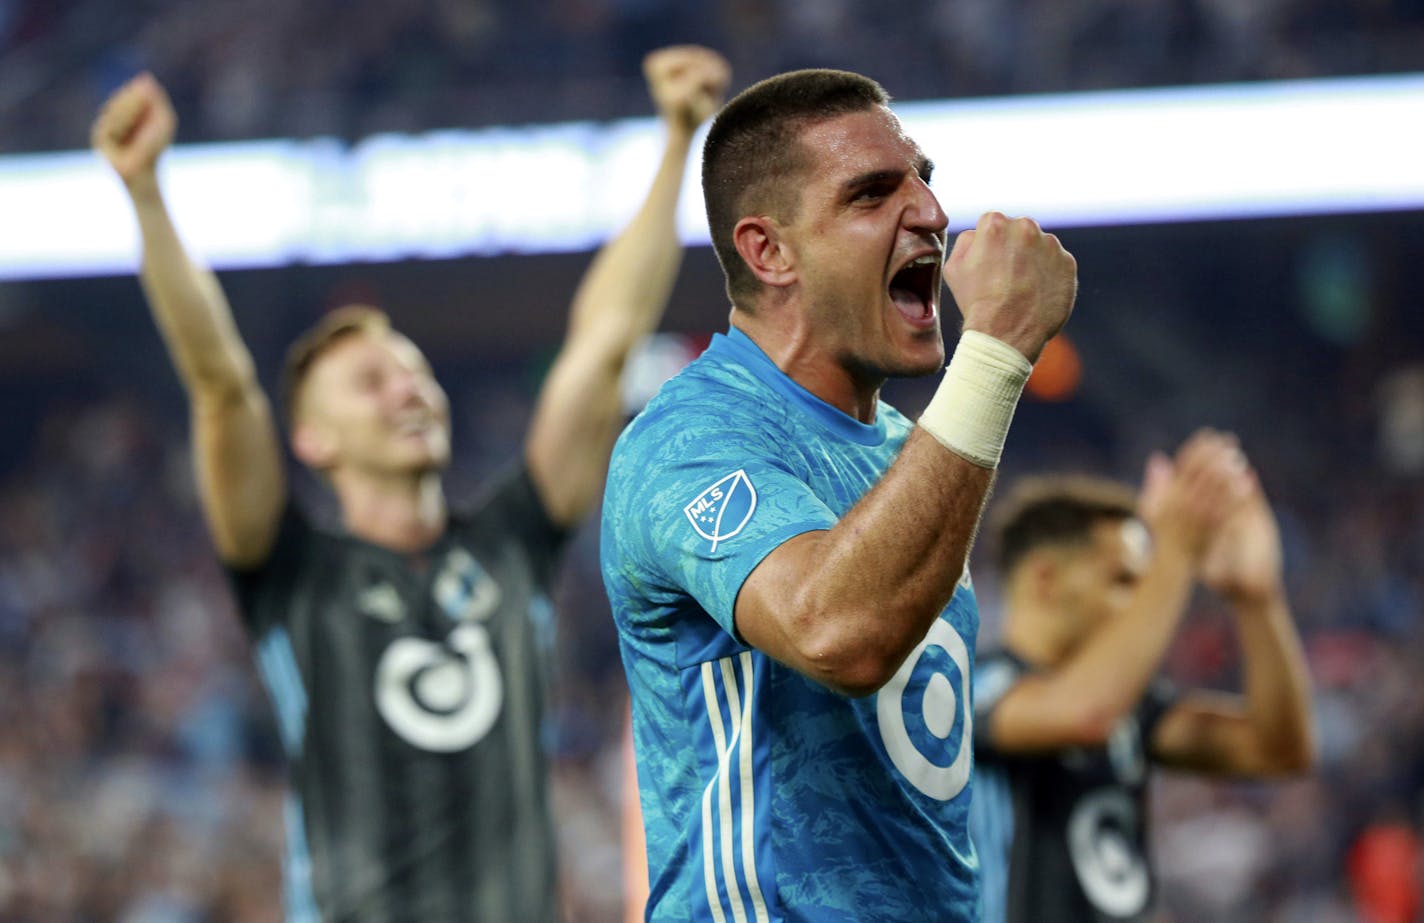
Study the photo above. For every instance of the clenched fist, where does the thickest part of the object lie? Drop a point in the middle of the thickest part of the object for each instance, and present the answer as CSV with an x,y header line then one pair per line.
x,y
135,125
687,83
1012,281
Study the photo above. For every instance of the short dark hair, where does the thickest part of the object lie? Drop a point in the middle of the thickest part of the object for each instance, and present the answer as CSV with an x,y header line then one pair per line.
x,y
335,326
1055,510
753,152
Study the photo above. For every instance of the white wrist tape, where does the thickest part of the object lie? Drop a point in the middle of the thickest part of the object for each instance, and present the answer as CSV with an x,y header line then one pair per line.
x,y
974,404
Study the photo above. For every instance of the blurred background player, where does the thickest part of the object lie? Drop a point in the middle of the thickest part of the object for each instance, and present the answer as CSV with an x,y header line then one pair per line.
x,y
1070,712
404,655
784,552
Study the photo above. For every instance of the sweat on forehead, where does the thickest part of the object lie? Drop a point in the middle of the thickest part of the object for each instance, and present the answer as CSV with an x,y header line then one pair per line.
x,y
862,147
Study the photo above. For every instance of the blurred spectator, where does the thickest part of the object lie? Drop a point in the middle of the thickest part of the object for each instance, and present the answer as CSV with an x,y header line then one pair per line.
x,y
255,70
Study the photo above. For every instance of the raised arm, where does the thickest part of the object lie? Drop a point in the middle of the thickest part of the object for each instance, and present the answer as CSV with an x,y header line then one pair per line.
x,y
235,444
847,605
1267,731
1081,700
620,299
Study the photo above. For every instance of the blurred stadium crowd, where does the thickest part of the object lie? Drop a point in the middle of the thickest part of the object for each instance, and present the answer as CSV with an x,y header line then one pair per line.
x,y
140,778
267,68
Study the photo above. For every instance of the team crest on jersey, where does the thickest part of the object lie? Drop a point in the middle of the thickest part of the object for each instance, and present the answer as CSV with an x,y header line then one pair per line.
x,y
441,696
464,590
922,706
724,509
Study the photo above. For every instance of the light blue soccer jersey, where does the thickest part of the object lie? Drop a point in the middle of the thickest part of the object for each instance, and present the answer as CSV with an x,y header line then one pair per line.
x,y
765,795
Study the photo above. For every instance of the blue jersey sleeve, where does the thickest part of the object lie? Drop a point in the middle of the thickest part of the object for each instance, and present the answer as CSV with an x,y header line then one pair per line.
x,y
697,511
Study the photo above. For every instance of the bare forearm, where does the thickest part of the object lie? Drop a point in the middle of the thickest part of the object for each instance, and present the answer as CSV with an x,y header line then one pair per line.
x,y
626,288
235,444
1082,700
619,301
1277,685
1109,674
188,305
902,548
865,592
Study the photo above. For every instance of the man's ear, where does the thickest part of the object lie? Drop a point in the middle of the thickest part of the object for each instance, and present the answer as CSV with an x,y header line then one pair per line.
x,y
313,445
765,250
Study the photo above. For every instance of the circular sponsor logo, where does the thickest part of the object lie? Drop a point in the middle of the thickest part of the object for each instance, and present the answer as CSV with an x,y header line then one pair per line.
x,y
925,718
1102,842
440,697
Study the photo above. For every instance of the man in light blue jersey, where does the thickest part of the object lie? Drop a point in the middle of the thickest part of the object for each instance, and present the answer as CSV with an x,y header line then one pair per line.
x,y
785,554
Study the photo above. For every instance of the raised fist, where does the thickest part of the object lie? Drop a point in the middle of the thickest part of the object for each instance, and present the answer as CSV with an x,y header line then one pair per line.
x,y
687,83
1012,281
134,126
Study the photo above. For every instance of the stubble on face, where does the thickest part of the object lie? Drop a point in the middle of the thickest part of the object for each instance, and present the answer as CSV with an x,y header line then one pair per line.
x,y
865,213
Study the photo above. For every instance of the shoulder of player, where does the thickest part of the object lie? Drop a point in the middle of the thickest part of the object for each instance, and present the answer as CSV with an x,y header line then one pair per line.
x,y
698,406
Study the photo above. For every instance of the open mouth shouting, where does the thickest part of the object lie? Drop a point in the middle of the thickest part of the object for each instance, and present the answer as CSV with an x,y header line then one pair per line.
x,y
914,289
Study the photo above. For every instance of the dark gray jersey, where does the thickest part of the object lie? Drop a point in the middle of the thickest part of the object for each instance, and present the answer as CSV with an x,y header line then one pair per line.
x,y
408,691
1062,836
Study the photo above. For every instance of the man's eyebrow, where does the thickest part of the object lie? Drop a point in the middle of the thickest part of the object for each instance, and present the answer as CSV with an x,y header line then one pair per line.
x,y
869,180
923,166
872,178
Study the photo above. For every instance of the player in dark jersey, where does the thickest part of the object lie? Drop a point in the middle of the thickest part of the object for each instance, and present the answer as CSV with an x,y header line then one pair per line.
x,y
1069,715
404,654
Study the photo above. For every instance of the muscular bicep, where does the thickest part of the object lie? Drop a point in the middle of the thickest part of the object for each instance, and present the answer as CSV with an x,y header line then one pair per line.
x,y
846,606
241,482
770,601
